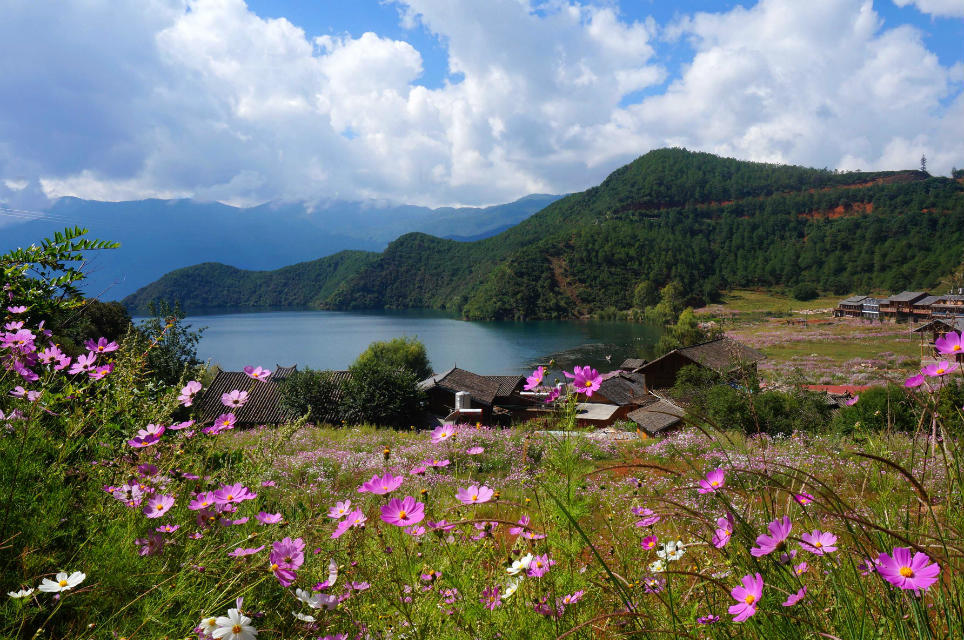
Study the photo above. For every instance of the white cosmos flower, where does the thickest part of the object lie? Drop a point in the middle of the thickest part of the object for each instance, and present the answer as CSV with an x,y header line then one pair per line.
x,y
303,617
23,593
62,582
658,567
672,550
511,587
520,565
234,626
208,625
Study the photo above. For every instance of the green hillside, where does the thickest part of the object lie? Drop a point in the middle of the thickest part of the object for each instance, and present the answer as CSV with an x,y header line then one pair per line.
x,y
708,222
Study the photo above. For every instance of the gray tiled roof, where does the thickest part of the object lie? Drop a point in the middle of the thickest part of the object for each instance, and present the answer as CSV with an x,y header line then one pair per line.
x,y
632,363
908,296
722,355
624,388
261,408
657,417
854,300
483,389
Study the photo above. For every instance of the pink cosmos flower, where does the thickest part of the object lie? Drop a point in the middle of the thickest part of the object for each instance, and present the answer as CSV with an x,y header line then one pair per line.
x,y
257,372
141,441
266,518
794,598
443,433
553,396
474,451
101,372
202,501
573,598
801,568
747,597
340,510
490,598
288,553
852,401
819,542
649,542
436,463
240,552
585,380
942,368
523,523
14,326
83,364
649,517
225,421
101,346
152,545
949,343
914,381
158,505
803,498
233,494
51,353
539,566
177,426
724,530
17,309
441,525
234,399
354,519
535,379
475,494
776,541
168,528
714,480
418,471
915,573
404,512
188,392
380,486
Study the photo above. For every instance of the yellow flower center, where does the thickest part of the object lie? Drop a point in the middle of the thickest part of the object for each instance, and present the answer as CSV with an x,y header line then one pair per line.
x,y
956,347
160,507
588,383
63,583
714,483
906,572
402,515
274,567
236,629
475,497
750,598
230,496
818,544
941,370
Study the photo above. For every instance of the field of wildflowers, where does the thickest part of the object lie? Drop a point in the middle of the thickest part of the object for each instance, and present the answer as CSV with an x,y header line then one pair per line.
x,y
121,517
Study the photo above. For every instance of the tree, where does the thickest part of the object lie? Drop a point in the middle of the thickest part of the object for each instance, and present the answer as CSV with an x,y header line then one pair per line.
x,y
383,394
645,294
804,291
314,393
407,353
169,344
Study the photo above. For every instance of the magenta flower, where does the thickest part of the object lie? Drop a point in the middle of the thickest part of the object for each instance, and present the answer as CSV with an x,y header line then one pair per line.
x,y
224,422
168,528
233,494
436,463
83,364
942,368
714,480
354,519
747,597
794,598
17,309
572,598
418,471
240,553
404,512
202,501
266,518
539,565
48,355
916,573
158,505
710,619
914,381
443,433
553,396
152,545
257,372
801,568
949,343
235,399
535,379
288,553
101,346
101,371
340,510
383,485
852,401
177,426
649,518
819,542
585,379
803,498
474,451
649,542
475,494
490,598
188,392
523,523
776,541
724,530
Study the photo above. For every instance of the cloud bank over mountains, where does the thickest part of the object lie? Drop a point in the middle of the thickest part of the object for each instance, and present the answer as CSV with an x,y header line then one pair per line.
x,y
205,99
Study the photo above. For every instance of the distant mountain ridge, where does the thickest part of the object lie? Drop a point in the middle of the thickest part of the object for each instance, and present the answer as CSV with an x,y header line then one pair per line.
x,y
158,236
671,215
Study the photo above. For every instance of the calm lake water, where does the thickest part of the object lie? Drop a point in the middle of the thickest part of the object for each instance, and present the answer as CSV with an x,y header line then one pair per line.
x,y
333,339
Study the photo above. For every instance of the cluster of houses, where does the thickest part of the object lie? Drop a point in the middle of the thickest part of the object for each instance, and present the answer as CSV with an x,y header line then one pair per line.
x,y
635,392
936,315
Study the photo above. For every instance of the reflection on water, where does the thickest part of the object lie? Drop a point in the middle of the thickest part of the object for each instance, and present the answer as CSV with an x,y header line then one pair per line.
x,y
333,339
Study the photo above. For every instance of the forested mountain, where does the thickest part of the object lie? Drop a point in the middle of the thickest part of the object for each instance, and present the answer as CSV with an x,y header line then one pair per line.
x,y
671,215
157,236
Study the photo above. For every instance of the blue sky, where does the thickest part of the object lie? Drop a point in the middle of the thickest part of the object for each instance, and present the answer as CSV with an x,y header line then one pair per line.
x,y
460,101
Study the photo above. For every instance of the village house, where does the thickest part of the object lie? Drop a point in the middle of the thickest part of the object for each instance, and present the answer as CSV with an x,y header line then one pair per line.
x,y
463,396
727,357
657,417
852,307
262,407
900,307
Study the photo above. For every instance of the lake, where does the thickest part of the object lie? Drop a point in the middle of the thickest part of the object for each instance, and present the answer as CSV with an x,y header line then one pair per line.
x,y
333,339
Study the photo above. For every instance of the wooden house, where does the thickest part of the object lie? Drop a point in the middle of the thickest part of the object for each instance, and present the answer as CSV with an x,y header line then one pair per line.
x,y
900,307
930,332
948,306
624,390
262,407
494,395
725,356
657,417
852,307
632,364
